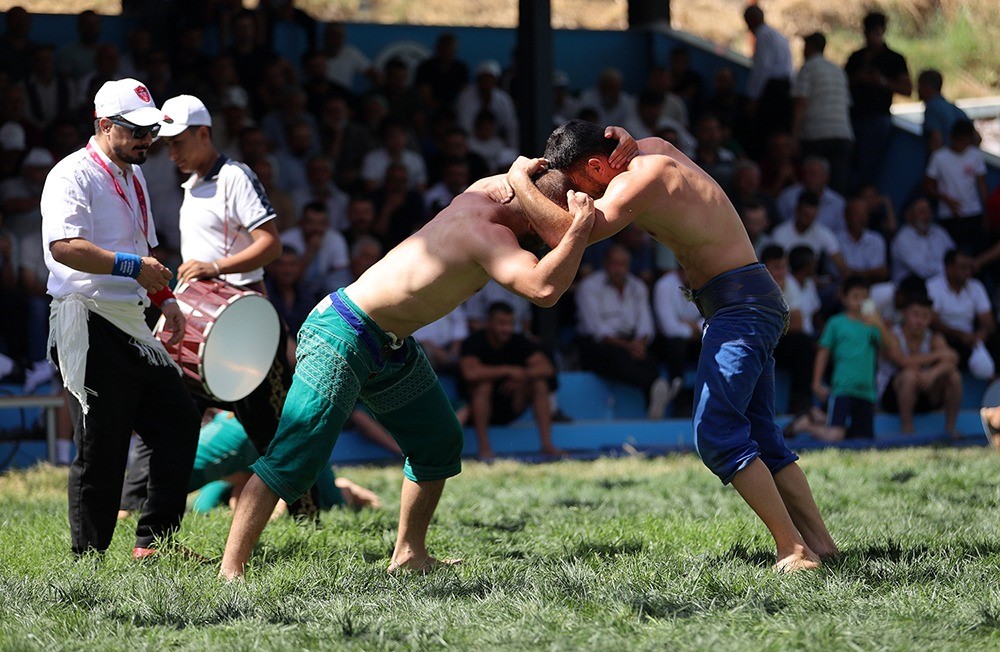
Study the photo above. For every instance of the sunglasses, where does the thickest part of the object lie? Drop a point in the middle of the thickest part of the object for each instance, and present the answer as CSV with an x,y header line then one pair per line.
x,y
138,132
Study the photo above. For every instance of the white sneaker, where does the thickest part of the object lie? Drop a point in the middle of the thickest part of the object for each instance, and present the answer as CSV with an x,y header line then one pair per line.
x,y
39,374
659,397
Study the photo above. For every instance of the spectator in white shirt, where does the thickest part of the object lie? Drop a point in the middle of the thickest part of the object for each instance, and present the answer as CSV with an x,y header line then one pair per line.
x,y
964,314
484,142
806,230
920,245
796,349
485,93
821,117
678,324
454,181
956,177
477,306
323,250
768,84
800,288
815,177
613,106
754,218
393,150
344,62
321,188
864,250
616,327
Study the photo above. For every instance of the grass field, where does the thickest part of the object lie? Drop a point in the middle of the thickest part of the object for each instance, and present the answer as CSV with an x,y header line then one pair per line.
x,y
623,554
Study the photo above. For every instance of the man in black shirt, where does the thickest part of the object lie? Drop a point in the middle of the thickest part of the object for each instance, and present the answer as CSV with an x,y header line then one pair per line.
x,y
875,73
500,372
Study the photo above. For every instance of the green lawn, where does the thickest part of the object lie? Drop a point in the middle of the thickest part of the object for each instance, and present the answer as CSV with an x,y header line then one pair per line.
x,y
622,555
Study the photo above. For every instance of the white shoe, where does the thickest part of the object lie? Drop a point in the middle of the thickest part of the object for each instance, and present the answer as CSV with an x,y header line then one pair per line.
x,y
659,397
39,374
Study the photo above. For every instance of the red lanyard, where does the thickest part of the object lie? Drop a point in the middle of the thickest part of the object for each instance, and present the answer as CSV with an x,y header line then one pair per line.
x,y
121,193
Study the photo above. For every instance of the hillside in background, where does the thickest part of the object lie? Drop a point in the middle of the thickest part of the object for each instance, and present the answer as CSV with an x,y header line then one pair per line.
x,y
959,37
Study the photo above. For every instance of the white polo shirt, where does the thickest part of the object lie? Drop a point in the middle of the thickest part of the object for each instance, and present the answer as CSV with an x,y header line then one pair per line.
x,y
958,310
79,200
219,212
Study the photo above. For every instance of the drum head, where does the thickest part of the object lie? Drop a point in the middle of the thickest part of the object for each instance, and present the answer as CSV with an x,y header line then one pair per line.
x,y
240,347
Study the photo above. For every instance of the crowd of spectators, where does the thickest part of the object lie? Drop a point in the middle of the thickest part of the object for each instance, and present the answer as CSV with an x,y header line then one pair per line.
x,y
354,157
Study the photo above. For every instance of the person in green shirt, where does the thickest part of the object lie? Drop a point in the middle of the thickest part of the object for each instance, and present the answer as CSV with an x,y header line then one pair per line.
x,y
851,339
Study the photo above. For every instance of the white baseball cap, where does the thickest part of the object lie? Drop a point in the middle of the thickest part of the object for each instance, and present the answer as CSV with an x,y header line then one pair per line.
x,y
182,112
128,98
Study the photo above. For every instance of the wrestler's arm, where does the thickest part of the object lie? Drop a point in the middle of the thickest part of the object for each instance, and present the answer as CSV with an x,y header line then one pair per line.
x,y
540,281
621,202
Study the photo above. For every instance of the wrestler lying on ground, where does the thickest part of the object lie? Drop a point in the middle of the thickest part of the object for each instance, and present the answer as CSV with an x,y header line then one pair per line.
x,y
682,207
356,344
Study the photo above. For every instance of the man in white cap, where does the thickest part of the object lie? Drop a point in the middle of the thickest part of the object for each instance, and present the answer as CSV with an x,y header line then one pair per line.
x,y
485,93
98,234
228,231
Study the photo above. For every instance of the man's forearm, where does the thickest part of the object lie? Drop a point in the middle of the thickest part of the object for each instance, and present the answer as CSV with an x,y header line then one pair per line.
x,y
550,221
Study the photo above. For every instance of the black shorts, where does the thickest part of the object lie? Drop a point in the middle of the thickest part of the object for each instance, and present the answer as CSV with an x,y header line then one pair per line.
x,y
855,414
890,402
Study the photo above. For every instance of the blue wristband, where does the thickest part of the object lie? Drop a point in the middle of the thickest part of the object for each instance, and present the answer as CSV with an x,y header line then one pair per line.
x,y
126,265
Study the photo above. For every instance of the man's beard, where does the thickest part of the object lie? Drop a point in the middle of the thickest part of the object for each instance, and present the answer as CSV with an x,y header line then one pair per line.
x,y
127,156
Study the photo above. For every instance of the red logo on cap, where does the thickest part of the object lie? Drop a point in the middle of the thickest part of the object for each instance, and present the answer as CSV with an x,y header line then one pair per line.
x,y
142,93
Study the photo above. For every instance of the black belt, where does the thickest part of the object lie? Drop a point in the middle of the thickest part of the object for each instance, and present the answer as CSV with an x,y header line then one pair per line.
x,y
748,285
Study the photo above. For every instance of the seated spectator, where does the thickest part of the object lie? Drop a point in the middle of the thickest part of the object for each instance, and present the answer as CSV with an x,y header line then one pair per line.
x,y
477,306
453,183
956,177
851,340
964,314
920,373
864,250
321,188
755,221
233,117
343,140
616,327
50,95
365,252
815,176
454,145
501,374
442,340
293,108
687,83
399,210
485,143
16,47
709,153
747,190
21,196
607,98
796,349
804,229
393,152
801,290
565,106
672,109
678,324
344,62
250,57
920,245
34,276
442,76
778,169
360,219
76,59
286,291
323,250
291,161
281,201
890,297
881,213
484,94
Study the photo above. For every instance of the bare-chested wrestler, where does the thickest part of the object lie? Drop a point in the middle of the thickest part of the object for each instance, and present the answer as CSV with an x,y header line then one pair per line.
x,y
356,344
681,206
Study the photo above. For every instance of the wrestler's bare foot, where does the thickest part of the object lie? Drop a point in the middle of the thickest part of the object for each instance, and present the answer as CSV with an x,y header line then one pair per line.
x,y
357,496
801,559
419,565
280,509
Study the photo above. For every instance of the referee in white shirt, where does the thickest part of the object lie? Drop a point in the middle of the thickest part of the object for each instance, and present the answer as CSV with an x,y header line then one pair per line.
x,y
228,231
98,233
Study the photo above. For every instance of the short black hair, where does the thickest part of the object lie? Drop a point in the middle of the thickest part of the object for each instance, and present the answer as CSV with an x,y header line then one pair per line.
x,y
499,306
807,198
917,301
772,252
875,20
911,287
854,281
799,257
932,78
817,41
554,185
574,142
963,129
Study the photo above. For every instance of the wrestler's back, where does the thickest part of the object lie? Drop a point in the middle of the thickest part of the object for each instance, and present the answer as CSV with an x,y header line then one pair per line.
x,y
688,212
430,273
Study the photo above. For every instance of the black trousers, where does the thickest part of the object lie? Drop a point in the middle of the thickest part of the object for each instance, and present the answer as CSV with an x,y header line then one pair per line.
x,y
616,363
126,393
796,353
259,413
